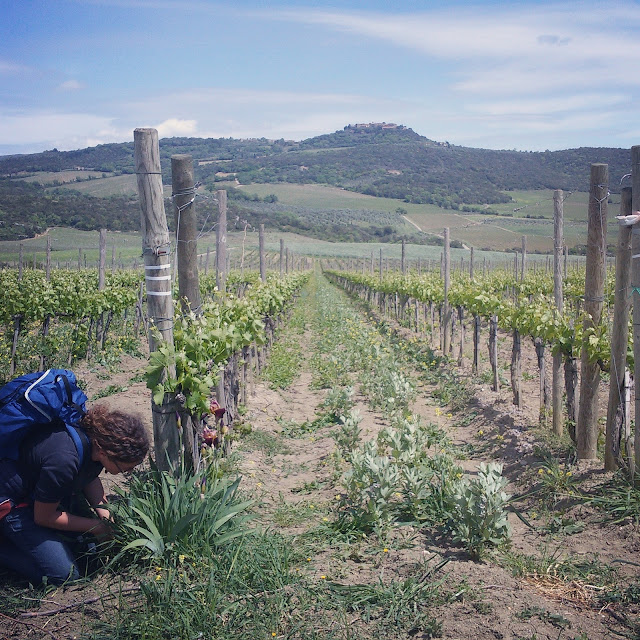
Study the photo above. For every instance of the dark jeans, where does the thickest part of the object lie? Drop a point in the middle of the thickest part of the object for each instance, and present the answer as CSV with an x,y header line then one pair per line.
x,y
33,551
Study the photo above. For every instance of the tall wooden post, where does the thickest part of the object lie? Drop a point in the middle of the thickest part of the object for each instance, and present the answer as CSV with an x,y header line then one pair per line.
x,y
21,262
471,265
446,311
48,259
184,193
617,412
281,257
103,258
381,265
156,250
263,264
523,266
635,284
221,241
558,241
587,431
403,260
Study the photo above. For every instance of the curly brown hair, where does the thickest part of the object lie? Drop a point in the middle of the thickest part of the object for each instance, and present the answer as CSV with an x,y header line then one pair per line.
x,y
122,436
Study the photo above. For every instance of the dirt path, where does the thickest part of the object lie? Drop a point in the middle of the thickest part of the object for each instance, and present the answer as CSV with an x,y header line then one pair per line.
x,y
298,487
290,467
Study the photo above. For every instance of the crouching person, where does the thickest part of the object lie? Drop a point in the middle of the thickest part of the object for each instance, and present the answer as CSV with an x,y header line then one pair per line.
x,y
37,491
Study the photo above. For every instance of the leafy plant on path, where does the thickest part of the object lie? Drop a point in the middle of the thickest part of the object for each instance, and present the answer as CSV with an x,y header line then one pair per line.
x,y
478,516
163,515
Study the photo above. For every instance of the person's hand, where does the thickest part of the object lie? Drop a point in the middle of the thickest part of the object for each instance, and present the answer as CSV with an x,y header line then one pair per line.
x,y
102,531
103,514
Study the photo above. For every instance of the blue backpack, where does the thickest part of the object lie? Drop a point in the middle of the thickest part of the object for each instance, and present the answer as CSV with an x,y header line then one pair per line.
x,y
36,399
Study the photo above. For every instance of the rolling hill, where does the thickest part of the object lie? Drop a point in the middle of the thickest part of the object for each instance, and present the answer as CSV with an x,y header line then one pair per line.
x,y
382,160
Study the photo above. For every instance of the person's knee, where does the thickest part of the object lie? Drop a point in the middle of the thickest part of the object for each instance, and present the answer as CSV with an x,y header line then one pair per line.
x,y
61,574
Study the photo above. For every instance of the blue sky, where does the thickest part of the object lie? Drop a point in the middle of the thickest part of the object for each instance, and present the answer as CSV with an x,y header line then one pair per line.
x,y
497,75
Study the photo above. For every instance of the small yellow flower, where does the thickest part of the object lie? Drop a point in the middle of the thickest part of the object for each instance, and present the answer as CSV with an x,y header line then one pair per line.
x,y
385,550
273,634
158,577
540,471
181,558
480,432
449,415
323,577
259,484
308,559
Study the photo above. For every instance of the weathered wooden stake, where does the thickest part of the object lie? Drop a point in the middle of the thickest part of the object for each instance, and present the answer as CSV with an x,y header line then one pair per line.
x,y
184,193
156,250
635,284
587,429
558,241
446,319
281,257
616,410
263,265
103,258
221,241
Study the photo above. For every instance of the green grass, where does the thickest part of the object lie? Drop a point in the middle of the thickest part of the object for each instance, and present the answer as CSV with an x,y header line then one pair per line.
x,y
49,177
66,242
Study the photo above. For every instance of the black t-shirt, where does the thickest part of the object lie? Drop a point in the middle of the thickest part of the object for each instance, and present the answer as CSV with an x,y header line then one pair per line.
x,y
48,468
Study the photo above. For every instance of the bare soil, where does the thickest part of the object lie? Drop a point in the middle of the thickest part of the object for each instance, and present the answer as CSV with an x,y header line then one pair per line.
x,y
491,601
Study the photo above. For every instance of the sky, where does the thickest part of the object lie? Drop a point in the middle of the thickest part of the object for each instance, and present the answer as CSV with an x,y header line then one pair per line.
x,y
529,75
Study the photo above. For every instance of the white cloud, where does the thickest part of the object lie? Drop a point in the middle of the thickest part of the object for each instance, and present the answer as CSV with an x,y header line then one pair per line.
x,y
61,130
523,48
7,67
488,31
550,105
176,127
70,85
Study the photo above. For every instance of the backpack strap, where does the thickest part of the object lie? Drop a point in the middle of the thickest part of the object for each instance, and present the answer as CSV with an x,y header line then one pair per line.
x,y
67,386
75,434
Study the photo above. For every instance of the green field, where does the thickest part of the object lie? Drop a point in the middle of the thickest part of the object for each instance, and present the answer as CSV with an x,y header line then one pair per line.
x,y
68,244
124,185
530,214
50,177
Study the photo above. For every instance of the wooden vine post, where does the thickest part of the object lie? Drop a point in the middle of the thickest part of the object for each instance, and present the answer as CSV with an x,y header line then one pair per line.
x,y
156,250
103,259
445,335
635,284
263,263
618,422
558,241
221,241
47,321
281,257
183,195
587,428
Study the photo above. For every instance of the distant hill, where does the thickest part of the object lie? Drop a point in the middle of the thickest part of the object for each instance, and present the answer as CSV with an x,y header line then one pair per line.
x,y
379,159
